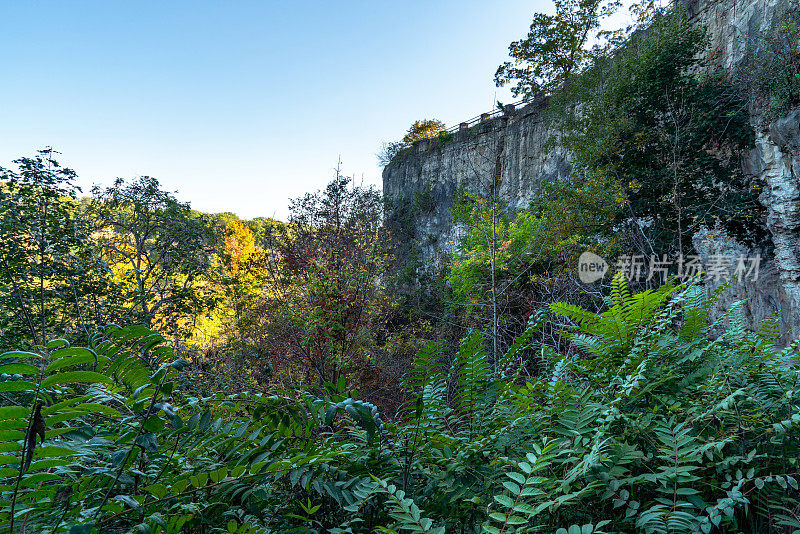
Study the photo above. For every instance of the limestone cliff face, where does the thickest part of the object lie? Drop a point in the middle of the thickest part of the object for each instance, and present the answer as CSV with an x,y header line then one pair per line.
x,y
515,149
778,146
732,24
510,150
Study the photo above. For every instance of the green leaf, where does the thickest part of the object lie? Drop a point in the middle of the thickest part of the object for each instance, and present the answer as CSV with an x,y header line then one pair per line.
x,y
70,361
56,343
40,465
93,407
16,385
157,490
516,477
6,459
14,412
75,377
148,441
219,474
49,451
20,354
505,500
19,369
179,364
199,480
154,423
38,478
10,446
524,508
11,435
127,499
9,472
205,421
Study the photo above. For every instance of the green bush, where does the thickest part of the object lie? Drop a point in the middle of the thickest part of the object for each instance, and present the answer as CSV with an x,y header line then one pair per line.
x,y
529,256
444,138
671,131
649,423
771,71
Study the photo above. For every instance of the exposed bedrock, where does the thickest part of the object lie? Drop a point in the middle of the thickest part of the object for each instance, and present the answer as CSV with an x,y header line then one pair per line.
x,y
517,151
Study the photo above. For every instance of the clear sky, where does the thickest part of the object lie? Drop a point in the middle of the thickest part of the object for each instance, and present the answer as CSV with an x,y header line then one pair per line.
x,y
240,105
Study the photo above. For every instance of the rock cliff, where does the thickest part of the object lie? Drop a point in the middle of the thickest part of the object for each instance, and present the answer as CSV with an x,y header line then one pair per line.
x,y
509,149
514,147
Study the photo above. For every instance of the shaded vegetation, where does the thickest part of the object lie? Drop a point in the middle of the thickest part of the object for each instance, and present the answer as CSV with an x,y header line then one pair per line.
x,y
323,375
647,424
771,71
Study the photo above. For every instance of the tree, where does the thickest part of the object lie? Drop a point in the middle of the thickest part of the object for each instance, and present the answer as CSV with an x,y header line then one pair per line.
x,y
671,132
159,251
241,260
263,229
223,335
556,47
50,280
421,129
424,129
325,294
509,265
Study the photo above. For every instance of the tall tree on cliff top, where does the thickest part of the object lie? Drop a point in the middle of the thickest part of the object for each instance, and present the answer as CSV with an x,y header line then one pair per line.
x,y
421,129
424,129
557,46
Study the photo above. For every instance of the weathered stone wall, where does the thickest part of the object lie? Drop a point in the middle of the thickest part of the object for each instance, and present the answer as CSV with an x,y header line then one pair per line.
x,y
778,146
733,27
733,24
515,148
509,150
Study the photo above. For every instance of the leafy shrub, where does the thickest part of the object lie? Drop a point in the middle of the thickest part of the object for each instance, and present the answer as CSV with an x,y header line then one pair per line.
x,y
670,131
771,70
529,256
649,423
657,427
421,129
444,138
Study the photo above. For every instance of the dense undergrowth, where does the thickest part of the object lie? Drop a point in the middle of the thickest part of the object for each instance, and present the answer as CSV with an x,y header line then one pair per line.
x,y
645,416
653,421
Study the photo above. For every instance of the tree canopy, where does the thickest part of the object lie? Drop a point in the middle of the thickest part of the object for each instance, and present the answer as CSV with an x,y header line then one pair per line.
x,y
421,129
556,48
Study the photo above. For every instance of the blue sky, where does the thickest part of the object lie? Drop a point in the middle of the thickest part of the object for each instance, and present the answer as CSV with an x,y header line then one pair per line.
x,y
239,106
